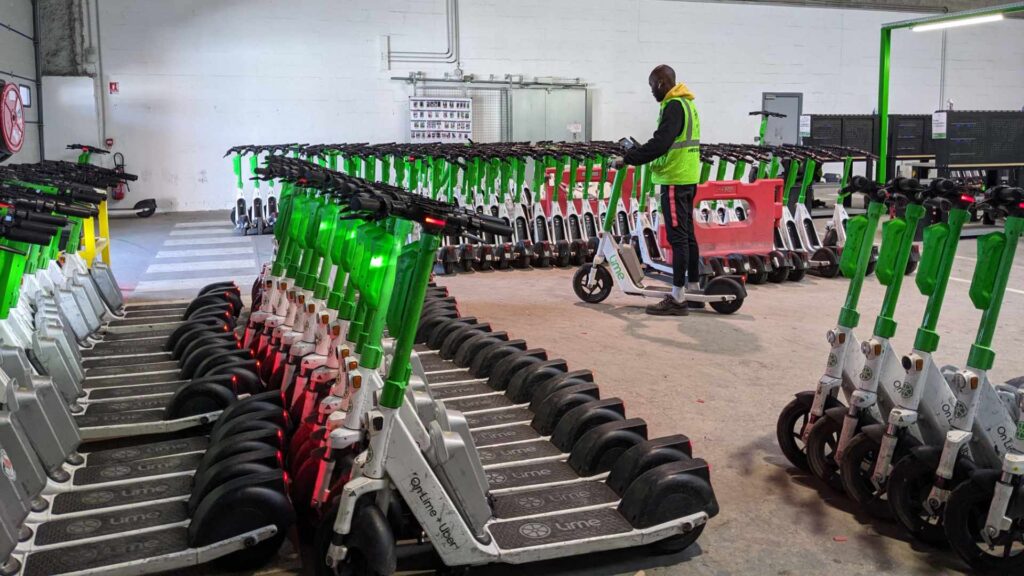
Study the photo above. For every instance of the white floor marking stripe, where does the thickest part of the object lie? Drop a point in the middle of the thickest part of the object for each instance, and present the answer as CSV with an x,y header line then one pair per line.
x,y
203,252
1014,290
205,224
188,283
203,231
200,241
205,265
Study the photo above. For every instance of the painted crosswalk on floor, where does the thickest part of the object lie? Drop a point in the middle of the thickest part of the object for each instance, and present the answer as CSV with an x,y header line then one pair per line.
x,y
195,254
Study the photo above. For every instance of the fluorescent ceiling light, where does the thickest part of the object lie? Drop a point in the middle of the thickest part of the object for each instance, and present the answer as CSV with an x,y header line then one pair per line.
x,y
956,23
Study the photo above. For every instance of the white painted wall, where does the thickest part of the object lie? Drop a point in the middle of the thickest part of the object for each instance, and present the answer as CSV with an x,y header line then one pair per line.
x,y
71,117
197,76
17,56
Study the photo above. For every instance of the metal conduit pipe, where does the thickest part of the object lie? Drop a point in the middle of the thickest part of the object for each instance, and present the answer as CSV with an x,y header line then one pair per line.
x,y
451,53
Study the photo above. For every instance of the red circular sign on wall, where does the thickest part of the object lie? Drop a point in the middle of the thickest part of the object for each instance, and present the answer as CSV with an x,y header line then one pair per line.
x,y
12,119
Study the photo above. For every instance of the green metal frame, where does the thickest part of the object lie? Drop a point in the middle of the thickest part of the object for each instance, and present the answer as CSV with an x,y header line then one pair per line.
x,y
885,54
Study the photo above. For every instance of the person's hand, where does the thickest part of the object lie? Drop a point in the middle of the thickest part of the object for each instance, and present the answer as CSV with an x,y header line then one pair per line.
x,y
616,162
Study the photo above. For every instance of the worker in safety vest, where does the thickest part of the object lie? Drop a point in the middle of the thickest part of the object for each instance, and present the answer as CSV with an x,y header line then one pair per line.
x,y
674,155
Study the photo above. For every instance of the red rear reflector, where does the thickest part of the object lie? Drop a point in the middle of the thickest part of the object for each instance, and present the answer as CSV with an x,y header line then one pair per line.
x,y
967,198
234,379
434,221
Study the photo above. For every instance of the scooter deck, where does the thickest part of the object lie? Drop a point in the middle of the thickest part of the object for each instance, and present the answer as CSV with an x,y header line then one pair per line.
x,y
138,492
553,499
518,452
137,469
154,313
567,527
109,523
130,405
131,380
504,435
530,474
432,362
453,375
125,347
182,305
155,320
476,403
118,418
498,418
122,370
475,388
107,553
147,451
133,391
163,330
145,359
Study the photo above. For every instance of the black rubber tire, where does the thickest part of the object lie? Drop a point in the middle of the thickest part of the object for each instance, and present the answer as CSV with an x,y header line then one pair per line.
x,y
965,516
830,270
354,565
822,442
602,290
788,435
909,485
721,288
778,275
448,268
855,470
757,275
796,274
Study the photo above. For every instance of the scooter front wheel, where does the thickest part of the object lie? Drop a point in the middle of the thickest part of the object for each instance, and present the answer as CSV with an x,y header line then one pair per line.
x,y
855,470
789,432
965,520
909,486
597,292
822,442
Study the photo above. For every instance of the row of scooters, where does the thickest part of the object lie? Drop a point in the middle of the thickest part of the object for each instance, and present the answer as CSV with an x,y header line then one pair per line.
x,y
547,231
133,438
428,436
139,438
937,447
254,216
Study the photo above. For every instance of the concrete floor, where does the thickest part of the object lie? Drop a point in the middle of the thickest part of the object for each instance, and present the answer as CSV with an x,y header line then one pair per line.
x,y
722,380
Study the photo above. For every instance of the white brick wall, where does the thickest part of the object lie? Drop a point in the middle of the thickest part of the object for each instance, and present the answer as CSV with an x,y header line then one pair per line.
x,y
197,77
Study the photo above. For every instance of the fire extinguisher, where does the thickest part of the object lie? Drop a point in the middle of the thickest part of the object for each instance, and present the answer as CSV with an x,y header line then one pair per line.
x,y
122,185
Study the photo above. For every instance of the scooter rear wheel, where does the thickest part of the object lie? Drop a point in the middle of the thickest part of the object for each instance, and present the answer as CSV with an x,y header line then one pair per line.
x,y
592,294
757,274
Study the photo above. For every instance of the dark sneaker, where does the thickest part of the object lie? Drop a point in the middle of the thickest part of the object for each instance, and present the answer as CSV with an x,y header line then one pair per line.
x,y
668,307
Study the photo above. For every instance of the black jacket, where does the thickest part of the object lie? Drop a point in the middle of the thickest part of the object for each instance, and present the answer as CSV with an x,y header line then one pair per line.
x,y
670,127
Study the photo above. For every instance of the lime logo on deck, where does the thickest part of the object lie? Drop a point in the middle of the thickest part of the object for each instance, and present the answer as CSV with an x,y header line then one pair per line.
x,y
866,373
530,502
960,410
116,471
84,526
496,478
97,498
8,466
832,360
535,530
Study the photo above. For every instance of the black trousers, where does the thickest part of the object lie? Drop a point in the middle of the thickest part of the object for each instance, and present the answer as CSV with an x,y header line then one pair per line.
x,y
677,218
